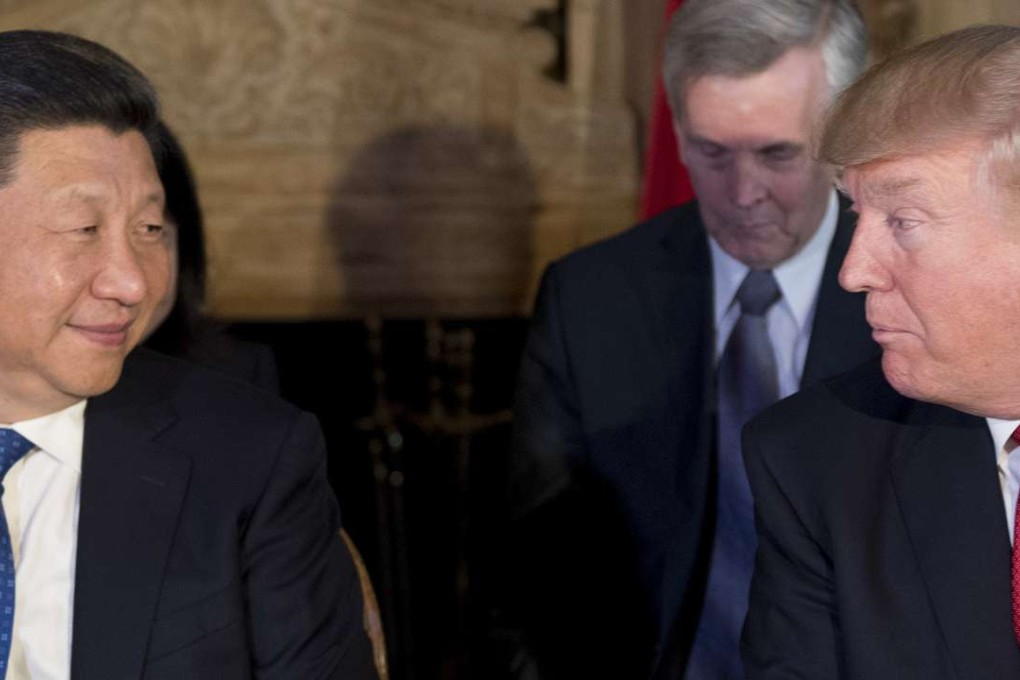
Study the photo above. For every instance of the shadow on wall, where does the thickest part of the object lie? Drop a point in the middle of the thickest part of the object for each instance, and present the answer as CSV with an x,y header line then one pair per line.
x,y
431,227
435,222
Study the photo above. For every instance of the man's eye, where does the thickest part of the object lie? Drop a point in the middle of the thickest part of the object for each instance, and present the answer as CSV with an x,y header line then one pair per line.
x,y
91,229
900,223
780,154
713,151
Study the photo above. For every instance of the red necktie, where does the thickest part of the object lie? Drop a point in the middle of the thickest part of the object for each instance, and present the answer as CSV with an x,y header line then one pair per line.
x,y
1016,556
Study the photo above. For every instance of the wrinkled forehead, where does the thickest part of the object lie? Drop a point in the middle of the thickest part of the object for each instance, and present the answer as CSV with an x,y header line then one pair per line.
x,y
797,74
884,179
47,144
14,140
85,164
920,177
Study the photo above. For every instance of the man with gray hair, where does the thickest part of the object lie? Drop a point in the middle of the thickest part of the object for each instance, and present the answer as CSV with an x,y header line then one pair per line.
x,y
633,532
887,497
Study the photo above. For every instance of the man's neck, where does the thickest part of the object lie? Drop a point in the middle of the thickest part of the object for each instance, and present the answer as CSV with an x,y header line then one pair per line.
x,y
16,411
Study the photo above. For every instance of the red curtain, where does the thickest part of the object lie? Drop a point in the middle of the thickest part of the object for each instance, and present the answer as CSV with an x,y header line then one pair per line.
x,y
665,182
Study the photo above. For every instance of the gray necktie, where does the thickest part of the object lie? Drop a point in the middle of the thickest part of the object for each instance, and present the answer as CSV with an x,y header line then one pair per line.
x,y
746,382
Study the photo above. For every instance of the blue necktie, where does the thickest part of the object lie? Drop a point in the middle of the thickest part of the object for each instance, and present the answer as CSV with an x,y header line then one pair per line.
x,y
12,447
747,381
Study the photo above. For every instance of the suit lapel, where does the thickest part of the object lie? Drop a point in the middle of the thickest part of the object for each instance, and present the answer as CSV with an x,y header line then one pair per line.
x,y
678,285
946,483
131,494
840,335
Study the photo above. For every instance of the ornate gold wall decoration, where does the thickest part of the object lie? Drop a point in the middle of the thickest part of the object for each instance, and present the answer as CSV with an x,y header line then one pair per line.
x,y
895,24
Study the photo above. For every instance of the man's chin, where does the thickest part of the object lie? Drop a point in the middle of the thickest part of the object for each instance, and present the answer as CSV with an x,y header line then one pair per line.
x,y
94,383
760,253
899,375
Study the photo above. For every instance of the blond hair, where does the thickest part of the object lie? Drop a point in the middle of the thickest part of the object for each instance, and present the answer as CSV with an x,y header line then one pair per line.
x,y
962,86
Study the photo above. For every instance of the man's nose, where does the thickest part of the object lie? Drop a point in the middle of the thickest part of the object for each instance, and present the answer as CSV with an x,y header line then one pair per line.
x,y
120,277
863,268
748,182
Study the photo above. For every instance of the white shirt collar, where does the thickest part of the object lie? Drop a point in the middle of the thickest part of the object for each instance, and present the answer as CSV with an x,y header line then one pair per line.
x,y
58,434
798,277
1001,430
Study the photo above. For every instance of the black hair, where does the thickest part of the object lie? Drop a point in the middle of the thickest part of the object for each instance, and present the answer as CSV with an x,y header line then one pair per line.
x,y
53,80
185,329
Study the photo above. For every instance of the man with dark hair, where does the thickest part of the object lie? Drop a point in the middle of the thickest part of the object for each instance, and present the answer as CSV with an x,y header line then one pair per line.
x,y
633,539
886,497
158,521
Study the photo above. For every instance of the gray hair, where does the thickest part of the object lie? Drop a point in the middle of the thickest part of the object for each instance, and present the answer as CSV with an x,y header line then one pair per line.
x,y
743,37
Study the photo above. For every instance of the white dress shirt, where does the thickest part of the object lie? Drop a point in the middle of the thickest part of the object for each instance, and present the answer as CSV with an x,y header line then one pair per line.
x,y
1007,462
789,320
41,501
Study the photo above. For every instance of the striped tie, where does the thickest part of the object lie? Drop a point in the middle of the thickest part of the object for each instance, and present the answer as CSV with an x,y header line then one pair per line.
x,y
747,381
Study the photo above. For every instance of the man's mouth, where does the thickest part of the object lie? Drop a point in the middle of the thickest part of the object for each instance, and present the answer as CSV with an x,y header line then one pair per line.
x,y
106,335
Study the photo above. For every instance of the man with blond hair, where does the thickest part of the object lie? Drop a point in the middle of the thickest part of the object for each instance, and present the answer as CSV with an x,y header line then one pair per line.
x,y
886,497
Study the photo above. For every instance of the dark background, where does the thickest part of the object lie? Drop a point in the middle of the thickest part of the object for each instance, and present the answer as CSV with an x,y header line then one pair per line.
x,y
428,537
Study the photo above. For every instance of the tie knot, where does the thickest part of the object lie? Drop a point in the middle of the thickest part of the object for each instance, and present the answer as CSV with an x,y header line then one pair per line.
x,y
12,447
758,292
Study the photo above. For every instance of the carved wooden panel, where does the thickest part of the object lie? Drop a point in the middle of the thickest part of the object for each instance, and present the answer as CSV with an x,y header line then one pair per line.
x,y
894,24
939,16
389,156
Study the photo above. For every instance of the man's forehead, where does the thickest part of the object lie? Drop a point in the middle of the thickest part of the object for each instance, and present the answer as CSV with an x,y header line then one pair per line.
x,y
873,185
95,194
754,135
56,148
758,143
777,104
916,175
84,165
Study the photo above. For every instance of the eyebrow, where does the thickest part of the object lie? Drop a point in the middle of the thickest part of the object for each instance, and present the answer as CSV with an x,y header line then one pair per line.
x,y
781,146
83,193
766,147
894,186
698,139
157,197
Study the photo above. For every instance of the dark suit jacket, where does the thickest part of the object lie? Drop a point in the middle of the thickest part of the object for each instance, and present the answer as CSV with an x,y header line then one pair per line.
x,y
612,465
212,345
250,361
883,547
207,538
